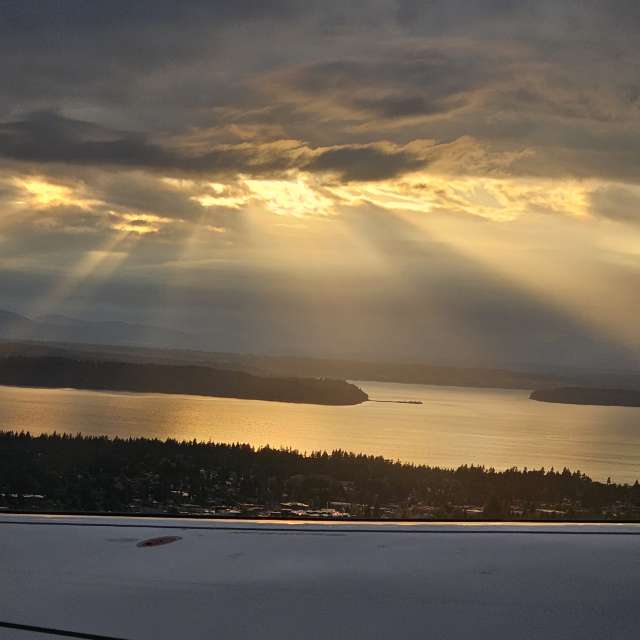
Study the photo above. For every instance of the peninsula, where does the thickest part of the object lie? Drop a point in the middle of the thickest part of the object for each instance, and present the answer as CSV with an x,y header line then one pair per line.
x,y
103,375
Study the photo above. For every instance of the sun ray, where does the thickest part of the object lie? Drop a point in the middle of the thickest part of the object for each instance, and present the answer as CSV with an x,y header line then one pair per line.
x,y
556,276
102,261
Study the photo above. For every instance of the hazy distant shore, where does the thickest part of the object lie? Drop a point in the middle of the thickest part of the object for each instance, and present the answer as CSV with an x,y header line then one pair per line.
x,y
590,396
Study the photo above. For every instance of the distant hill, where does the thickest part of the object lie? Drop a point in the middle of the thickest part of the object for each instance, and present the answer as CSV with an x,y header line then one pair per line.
x,y
57,372
589,395
413,373
10,320
285,366
57,328
56,335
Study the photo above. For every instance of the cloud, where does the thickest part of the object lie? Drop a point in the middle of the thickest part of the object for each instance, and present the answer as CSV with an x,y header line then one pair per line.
x,y
51,138
617,203
261,159
401,83
365,162
145,87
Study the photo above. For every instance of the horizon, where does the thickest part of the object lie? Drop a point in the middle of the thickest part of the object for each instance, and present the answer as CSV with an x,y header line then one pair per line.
x,y
163,345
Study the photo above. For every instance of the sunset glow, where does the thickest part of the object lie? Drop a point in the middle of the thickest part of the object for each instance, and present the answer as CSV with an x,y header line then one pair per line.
x,y
462,178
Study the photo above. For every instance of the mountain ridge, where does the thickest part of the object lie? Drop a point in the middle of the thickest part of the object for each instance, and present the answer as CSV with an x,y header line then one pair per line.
x,y
60,328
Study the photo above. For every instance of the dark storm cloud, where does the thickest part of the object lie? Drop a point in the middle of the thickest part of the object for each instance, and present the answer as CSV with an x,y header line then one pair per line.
x,y
364,163
145,64
571,18
407,82
122,76
50,138
398,106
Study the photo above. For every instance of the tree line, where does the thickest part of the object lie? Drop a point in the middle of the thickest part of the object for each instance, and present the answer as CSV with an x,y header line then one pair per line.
x,y
96,473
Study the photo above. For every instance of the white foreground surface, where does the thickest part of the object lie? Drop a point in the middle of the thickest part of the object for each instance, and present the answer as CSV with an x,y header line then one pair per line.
x,y
312,580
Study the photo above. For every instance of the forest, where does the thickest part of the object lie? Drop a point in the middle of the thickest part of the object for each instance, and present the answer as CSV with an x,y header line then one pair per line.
x,y
61,372
62,472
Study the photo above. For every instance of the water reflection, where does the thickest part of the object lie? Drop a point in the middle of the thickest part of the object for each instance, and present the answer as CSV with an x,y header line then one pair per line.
x,y
454,426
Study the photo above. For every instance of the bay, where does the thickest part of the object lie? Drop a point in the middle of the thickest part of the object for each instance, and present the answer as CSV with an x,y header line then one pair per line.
x,y
454,425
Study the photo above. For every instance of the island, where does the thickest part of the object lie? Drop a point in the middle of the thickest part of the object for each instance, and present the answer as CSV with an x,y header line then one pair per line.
x,y
104,375
589,395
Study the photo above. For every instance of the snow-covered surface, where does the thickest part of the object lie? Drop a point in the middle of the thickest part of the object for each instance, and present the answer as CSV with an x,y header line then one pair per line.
x,y
246,579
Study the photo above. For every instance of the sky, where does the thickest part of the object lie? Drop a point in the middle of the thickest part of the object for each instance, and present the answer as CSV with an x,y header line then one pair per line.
x,y
439,181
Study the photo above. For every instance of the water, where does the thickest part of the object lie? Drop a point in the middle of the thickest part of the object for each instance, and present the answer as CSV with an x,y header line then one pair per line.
x,y
454,426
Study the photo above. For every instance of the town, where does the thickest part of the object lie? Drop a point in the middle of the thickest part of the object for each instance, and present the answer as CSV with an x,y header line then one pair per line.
x,y
144,476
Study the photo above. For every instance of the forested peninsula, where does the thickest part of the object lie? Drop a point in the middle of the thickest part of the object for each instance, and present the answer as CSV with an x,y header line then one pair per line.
x,y
103,375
